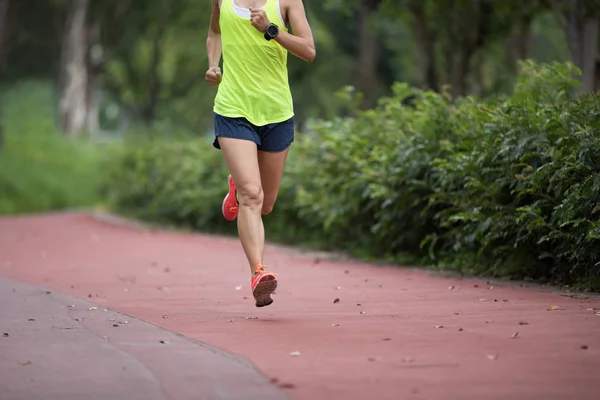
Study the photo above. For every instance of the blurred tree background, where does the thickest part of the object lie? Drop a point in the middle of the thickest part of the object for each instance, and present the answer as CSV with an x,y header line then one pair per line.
x,y
117,65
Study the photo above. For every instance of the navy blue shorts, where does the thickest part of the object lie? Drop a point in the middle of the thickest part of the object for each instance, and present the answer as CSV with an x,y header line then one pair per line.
x,y
272,138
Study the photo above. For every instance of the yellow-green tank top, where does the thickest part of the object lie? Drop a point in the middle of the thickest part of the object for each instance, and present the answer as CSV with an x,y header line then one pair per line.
x,y
255,77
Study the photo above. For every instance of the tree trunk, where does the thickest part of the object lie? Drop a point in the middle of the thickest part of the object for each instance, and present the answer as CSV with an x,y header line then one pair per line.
x,y
3,30
149,112
73,81
3,40
460,69
368,54
429,79
590,50
582,37
522,41
470,38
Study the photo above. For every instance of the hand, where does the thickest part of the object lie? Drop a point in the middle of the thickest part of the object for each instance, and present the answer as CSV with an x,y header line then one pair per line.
x,y
259,19
213,77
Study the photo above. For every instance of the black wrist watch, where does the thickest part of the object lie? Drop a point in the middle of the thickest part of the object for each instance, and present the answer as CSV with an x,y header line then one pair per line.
x,y
271,32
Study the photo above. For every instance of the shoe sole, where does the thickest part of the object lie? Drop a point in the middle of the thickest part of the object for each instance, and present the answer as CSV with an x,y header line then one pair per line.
x,y
262,292
226,198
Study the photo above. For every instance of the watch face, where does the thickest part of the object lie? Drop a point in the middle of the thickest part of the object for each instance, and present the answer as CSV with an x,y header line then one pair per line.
x,y
272,30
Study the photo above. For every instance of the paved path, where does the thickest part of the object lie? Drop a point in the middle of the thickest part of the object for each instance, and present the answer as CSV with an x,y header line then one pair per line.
x,y
55,347
394,334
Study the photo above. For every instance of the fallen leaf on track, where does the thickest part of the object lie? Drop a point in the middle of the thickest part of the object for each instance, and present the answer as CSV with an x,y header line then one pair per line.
x,y
287,385
295,353
552,308
408,360
523,323
5,334
92,308
335,324
336,300
460,329
439,326
24,363
492,357
514,335
362,312
584,347
238,287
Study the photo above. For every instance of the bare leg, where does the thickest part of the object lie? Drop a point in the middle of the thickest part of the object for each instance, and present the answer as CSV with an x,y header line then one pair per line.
x,y
242,160
271,167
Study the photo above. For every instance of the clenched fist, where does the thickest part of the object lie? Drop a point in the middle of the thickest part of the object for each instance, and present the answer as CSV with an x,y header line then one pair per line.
x,y
259,19
213,77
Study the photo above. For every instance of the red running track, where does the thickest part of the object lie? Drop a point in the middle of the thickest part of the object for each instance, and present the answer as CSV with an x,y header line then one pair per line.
x,y
394,334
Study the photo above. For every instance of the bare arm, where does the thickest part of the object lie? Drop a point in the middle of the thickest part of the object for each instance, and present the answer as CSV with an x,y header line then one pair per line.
x,y
301,43
214,47
213,42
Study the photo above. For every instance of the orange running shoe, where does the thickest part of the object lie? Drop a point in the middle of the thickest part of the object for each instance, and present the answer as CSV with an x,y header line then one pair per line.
x,y
263,285
231,206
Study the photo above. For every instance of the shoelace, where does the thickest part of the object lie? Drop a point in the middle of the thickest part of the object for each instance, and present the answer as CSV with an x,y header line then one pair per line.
x,y
261,269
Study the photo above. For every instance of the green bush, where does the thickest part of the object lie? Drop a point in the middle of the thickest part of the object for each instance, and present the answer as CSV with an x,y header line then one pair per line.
x,y
170,181
503,187
40,169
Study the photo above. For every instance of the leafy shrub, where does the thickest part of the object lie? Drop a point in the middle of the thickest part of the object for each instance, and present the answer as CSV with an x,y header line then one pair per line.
x,y
502,186
522,196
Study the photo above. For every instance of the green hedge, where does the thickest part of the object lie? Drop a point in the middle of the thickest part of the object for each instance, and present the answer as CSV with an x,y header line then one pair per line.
x,y
501,187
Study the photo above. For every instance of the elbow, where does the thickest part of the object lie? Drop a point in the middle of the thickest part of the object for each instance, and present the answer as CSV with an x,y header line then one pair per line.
x,y
311,55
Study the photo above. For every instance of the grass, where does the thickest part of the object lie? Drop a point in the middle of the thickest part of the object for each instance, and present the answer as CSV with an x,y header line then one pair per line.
x,y
40,169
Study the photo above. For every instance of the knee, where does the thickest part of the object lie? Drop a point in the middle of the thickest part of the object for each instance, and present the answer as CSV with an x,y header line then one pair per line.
x,y
250,195
267,209
268,204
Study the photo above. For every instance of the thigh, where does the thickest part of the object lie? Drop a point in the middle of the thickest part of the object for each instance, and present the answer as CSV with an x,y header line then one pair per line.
x,y
242,160
271,170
